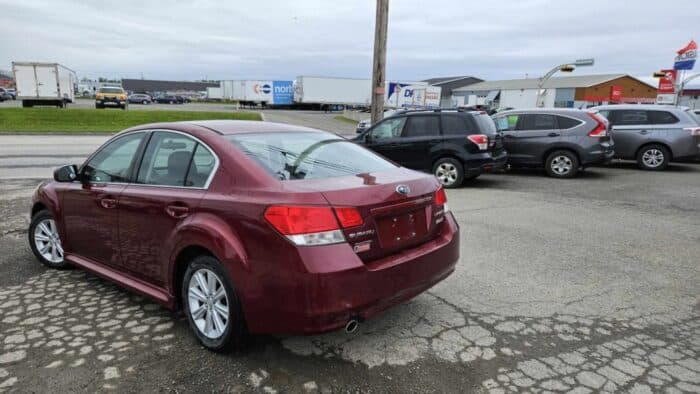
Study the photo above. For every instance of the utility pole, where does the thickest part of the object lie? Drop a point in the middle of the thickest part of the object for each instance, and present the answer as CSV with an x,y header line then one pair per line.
x,y
379,63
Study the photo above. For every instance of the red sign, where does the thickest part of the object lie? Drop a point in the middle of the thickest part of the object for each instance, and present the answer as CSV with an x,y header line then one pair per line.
x,y
616,93
666,83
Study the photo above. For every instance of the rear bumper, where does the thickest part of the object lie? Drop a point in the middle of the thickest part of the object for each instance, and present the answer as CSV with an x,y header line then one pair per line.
x,y
601,154
338,286
475,164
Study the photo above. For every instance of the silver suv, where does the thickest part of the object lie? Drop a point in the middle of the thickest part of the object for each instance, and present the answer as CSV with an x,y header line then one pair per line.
x,y
653,135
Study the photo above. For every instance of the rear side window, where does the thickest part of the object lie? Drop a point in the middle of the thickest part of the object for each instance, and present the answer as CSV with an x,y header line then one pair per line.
x,y
662,117
630,117
537,122
304,155
422,126
173,159
454,125
567,123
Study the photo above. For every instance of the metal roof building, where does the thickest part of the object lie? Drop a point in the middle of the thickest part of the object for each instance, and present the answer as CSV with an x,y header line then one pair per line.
x,y
572,91
448,84
150,85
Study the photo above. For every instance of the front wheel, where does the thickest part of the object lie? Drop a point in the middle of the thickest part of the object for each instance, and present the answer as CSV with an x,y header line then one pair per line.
x,y
653,157
45,241
562,164
211,305
449,172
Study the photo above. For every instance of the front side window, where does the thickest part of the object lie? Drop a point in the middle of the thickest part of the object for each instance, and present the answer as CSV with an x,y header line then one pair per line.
x,y
390,128
113,162
173,159
662,117
422,126
308,155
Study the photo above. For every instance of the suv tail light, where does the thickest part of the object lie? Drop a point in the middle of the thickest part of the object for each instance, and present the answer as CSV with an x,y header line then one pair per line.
x,y
312,225
692,130
481,140
601,129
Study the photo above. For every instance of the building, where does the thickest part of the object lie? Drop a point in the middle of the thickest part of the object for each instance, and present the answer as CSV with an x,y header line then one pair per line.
x,y
150,86
448,84
579,91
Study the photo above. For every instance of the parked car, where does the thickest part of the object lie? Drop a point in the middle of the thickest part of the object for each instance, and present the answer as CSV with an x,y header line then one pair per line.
x,y
138,98
184,99
109,96
653,135
454,145
5,95
12,93
169,99
560,140
248,226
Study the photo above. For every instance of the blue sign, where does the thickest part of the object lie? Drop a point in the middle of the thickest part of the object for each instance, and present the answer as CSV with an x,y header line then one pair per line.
x,y
282,93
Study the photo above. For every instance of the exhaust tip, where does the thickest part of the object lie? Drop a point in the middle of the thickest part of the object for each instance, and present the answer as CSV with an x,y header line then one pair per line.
x,y
351,326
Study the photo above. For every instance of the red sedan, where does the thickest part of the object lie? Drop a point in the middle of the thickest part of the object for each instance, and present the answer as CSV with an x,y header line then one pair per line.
x,y
248,226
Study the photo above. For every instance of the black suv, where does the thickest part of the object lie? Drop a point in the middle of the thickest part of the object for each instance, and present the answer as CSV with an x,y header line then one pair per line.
x,y
454,145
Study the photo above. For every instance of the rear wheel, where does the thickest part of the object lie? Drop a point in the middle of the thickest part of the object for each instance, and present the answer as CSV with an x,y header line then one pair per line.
x,y
653,157
449,172
562,164
45,241
144,102
211,305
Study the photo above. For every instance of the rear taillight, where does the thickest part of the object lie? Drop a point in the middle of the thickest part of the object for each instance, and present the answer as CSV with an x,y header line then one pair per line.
x,y
481,140
312,225
441,198
693,130
601,129
349,217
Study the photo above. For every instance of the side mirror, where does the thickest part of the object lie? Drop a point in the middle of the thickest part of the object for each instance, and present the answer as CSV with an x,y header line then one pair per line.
x,y
66,173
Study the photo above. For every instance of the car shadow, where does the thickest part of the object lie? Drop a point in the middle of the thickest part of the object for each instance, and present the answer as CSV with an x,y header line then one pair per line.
x,y
672,167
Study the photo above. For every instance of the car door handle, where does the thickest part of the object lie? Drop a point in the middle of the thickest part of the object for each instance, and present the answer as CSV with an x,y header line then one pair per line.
x,y
553,135
509,136
177,211
108,203
643,132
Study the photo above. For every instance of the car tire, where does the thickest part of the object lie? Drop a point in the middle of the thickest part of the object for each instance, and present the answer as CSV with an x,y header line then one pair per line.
x,y
561,164
653,157
171,102
449,172
197,292
144,102
45,241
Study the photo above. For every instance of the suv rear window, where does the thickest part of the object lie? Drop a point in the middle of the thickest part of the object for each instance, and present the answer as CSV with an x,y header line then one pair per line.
x,y
537,122
630,117
308,155
454,125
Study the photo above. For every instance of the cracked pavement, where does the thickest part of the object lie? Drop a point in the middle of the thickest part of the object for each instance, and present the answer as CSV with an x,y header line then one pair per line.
x,y
583,285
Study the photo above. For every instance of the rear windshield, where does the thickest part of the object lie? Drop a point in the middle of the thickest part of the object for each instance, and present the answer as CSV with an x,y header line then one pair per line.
x,y
110,90
308,155
486,124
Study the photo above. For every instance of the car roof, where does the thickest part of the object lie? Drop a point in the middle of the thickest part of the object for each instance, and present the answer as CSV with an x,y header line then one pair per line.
x,y
228,127
569,111
642,106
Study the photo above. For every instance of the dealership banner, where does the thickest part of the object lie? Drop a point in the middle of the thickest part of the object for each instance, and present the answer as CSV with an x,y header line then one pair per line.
x,y
666,83
686,57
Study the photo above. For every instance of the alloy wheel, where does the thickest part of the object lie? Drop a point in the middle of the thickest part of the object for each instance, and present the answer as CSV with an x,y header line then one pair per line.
x,y
446,173
653,158
561,165
208,303
47,241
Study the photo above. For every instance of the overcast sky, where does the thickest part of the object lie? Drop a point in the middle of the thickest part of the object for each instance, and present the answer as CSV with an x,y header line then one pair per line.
x,y
265,39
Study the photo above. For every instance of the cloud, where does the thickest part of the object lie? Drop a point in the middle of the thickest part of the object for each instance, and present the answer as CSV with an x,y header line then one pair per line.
x,y
279,39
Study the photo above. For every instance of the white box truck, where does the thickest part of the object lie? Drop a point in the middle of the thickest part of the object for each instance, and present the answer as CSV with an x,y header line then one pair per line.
x,y
44,83
328,90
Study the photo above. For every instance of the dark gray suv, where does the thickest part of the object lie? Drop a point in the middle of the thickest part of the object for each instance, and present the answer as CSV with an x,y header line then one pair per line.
x,y
653,135
562,140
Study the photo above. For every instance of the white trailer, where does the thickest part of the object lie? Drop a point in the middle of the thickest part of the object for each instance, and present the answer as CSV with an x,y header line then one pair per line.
x,y
44,83
415,95
328,90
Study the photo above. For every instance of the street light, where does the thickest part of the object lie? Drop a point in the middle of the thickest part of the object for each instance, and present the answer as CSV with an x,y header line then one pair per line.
x,y
566,67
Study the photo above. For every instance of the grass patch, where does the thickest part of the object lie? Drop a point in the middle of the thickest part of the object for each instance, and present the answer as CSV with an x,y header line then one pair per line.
x,y
344,119
93,120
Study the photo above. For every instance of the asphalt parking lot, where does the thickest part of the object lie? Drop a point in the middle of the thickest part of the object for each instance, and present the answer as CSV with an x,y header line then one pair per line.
x,y
589,284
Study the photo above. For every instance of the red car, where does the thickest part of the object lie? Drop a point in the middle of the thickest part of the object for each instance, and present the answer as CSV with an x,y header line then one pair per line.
x,y
248,226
